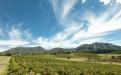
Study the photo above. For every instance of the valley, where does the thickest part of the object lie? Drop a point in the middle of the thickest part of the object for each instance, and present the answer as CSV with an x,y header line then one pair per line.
x,y
63,65
87,59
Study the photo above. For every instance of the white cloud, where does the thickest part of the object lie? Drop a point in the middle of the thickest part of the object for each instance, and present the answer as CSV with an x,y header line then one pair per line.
x,y
44,42
105,1
13,42
77,32
15,36
78,28
119,1
63,8
28,34
102,24
67,32
68,43
61,39
83,1
67,7
14,33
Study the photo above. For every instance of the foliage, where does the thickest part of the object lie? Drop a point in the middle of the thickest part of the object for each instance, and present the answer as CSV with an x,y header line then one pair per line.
x,y
8,54
35,65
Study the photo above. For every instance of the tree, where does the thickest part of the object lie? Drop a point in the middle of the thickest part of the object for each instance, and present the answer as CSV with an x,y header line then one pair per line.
x,y
113,57
68,58
8,54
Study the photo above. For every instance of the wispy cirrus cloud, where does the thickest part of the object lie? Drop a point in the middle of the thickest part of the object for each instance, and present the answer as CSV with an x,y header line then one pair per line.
x,y
62,9
28,34
90,27
79,26
14,33
105,1
13,42
119,1
14,36
83,1
99,25
1,32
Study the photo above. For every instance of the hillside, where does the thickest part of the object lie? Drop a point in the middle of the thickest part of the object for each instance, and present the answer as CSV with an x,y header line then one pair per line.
x,y
29,50
95,47
60,49
98,46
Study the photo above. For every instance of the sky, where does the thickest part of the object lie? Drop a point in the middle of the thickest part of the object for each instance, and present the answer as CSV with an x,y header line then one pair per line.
x,y
59,23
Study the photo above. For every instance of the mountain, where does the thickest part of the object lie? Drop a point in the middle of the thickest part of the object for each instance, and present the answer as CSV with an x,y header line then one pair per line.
x,y
97,46
60,49
56,49
29,50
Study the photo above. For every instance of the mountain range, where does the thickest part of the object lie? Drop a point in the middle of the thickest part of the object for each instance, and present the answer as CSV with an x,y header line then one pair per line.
x,y
82,48
98,46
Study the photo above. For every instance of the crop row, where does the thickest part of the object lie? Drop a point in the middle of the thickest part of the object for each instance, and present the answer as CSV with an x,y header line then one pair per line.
x,y
21,65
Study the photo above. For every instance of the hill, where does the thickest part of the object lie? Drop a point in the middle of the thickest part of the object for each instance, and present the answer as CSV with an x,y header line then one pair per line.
x,y
97,46
94,47
60,49
29,50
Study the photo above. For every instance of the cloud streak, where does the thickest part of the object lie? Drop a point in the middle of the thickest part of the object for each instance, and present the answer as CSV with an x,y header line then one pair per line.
x,y
62,9
79,27
15,36
1,32
13,42
93,27
83,1
105,1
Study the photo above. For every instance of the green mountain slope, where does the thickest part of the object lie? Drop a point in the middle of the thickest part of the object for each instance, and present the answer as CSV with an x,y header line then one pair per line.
x,y
29,50
98,46
82,48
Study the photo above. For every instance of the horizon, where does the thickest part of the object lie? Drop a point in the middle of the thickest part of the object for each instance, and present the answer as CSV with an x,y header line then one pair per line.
x,y
59,23
60,47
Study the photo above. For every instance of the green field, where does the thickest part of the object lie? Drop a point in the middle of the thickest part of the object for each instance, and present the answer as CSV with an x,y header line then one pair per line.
x,y
72,55
109,55
48,65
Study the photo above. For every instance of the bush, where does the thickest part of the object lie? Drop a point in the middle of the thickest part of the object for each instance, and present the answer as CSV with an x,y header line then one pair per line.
x,y
68,58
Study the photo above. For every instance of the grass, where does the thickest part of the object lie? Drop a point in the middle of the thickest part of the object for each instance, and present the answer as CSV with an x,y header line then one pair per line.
x,y
108,55
46,66
86,55
72,55
77,55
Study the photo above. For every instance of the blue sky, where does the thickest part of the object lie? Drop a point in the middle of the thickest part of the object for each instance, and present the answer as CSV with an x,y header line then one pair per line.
x,y
59,23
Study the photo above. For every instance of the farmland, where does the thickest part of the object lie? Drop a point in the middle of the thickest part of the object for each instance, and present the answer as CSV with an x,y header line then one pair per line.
x,y
51,65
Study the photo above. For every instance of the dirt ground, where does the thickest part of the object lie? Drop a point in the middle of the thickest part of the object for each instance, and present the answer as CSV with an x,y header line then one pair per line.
x,y
4,61
74,59
86,60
